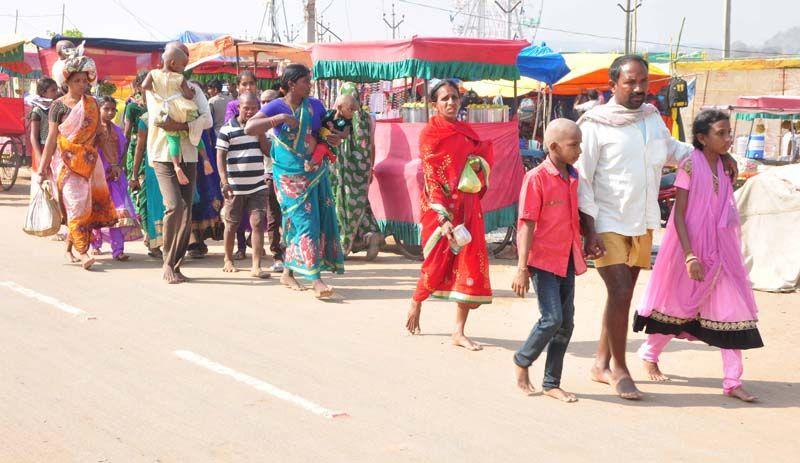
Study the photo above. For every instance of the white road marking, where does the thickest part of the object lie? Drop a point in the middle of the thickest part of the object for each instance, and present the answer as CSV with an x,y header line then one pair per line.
x,y
63,306
258,384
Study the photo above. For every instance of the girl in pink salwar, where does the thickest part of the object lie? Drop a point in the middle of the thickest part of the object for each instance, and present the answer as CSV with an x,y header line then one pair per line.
x,y
699,289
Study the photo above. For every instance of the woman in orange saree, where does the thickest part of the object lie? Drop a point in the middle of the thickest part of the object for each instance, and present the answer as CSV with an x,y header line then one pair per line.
x,y
75,132
456,166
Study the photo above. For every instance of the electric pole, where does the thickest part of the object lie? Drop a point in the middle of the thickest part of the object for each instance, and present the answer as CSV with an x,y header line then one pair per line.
x,y
63,7
394,24
311,20
508,11
628,24
16,20
726,46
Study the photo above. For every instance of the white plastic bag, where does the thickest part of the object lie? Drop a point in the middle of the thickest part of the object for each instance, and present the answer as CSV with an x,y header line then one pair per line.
x,y
44,214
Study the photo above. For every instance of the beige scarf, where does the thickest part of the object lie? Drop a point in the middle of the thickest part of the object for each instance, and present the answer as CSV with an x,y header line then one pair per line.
x,y
616,115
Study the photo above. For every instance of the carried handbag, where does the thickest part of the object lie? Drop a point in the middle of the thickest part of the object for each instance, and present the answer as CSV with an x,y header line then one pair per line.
x,y
469,181
44,214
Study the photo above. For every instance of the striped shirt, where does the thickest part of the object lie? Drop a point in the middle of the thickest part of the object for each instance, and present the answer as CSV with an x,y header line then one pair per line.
x,y
244,162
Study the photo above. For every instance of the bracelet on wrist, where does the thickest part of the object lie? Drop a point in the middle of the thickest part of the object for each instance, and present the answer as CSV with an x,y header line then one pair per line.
x,y
690,258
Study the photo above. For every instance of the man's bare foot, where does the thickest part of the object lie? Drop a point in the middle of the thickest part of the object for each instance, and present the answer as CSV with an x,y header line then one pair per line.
x,y
600,374
653,372
182,178
170,276
239,255
97,252
412,319
560,394
86,261
290,282
71,257
523,380
122,257
626,388
181,277
741,394
228,267
258,273
321,290
461,340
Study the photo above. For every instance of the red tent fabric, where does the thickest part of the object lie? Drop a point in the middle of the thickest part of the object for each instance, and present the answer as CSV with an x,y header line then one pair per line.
x,y
12,121
111,64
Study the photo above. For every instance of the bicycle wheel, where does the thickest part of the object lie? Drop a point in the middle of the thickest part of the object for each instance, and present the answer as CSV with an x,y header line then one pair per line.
x,y
10,159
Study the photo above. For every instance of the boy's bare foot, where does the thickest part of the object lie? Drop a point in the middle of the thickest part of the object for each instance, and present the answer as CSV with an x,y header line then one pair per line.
x,y
560,394
182,178
625,387
258,273
523,380
741,394
289,281
600,374
181,277
228,267
97,252
412,319
654,372
239,255
461,340
321,290
170,276
122,257
86,261
71,257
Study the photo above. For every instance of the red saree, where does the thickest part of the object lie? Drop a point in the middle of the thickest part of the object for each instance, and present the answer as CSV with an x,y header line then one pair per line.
x,y
459,275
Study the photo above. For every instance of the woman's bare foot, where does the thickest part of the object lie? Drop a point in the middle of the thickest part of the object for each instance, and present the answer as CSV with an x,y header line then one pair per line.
x,y
653,372
560,394
171,277
600,374
182,178
625,387
239,255
412,319
97,252
288,280
523,380
228,266
462,340
156,253
741,394
321,290
71,257
181,277
122,257
258,273
86,261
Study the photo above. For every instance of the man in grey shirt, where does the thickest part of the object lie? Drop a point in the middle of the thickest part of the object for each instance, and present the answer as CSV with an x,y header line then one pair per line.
x,y
217,102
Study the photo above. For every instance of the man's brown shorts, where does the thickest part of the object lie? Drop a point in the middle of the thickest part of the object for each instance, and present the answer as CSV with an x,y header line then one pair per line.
x,y
234,209
633,251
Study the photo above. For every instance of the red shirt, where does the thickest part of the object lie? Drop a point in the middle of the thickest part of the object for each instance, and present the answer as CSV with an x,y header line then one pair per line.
x,y
552,202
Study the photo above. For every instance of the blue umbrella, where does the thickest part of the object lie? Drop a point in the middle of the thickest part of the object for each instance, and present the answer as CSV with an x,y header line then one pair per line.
x,y
542,63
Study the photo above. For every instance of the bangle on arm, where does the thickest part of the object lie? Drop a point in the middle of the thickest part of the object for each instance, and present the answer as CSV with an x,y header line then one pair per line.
x,y
690,257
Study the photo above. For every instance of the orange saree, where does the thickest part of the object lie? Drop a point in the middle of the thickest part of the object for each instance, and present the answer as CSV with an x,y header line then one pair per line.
x,y
449,272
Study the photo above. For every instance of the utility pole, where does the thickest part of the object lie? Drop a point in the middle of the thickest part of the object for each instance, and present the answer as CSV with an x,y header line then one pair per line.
x,y
63,13
726,46
311,20
628,19
394,24
508,11
16,21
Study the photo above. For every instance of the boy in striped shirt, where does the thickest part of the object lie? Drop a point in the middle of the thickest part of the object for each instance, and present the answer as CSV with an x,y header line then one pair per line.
x,y
240,158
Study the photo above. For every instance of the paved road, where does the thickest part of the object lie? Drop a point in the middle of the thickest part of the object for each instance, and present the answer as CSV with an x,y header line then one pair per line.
x,y
261,365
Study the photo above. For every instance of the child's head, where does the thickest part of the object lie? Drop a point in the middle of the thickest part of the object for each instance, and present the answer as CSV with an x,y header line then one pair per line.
x,y
711,131
47,88
246,83
175,60
562,140
108,109
248,106
136,84
346,105
62,47
269,95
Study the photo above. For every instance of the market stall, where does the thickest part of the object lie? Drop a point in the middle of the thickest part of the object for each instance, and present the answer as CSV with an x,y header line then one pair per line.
x,y
398,183
12,111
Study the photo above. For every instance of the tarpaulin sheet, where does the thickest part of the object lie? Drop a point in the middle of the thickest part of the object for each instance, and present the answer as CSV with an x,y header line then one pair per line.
x,y
12,113
542,63
110,63
398,183
135,46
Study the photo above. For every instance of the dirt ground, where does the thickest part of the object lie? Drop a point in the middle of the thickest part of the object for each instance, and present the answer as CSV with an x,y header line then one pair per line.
x,y
106,385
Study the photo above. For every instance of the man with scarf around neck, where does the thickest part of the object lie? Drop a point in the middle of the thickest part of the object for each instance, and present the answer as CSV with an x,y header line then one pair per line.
x,y
625,146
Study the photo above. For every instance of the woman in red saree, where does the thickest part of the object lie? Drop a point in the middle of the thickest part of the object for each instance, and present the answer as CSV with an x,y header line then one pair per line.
x,y
456,166
75,133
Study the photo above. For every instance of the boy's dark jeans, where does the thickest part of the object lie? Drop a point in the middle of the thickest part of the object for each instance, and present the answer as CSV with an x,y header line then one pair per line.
x,y
556,297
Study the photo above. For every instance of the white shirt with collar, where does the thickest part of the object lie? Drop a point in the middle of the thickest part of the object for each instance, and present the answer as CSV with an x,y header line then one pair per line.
x,y
157,147
620,173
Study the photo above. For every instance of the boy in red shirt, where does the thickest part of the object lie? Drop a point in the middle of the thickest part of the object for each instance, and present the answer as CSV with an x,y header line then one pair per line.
x,y
550,255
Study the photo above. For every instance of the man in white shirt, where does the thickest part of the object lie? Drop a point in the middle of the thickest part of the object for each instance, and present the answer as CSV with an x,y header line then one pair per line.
x,y
625,146
177,198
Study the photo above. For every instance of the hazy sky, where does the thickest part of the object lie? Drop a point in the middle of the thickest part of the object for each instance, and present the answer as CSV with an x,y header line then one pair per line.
x,y
659,20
